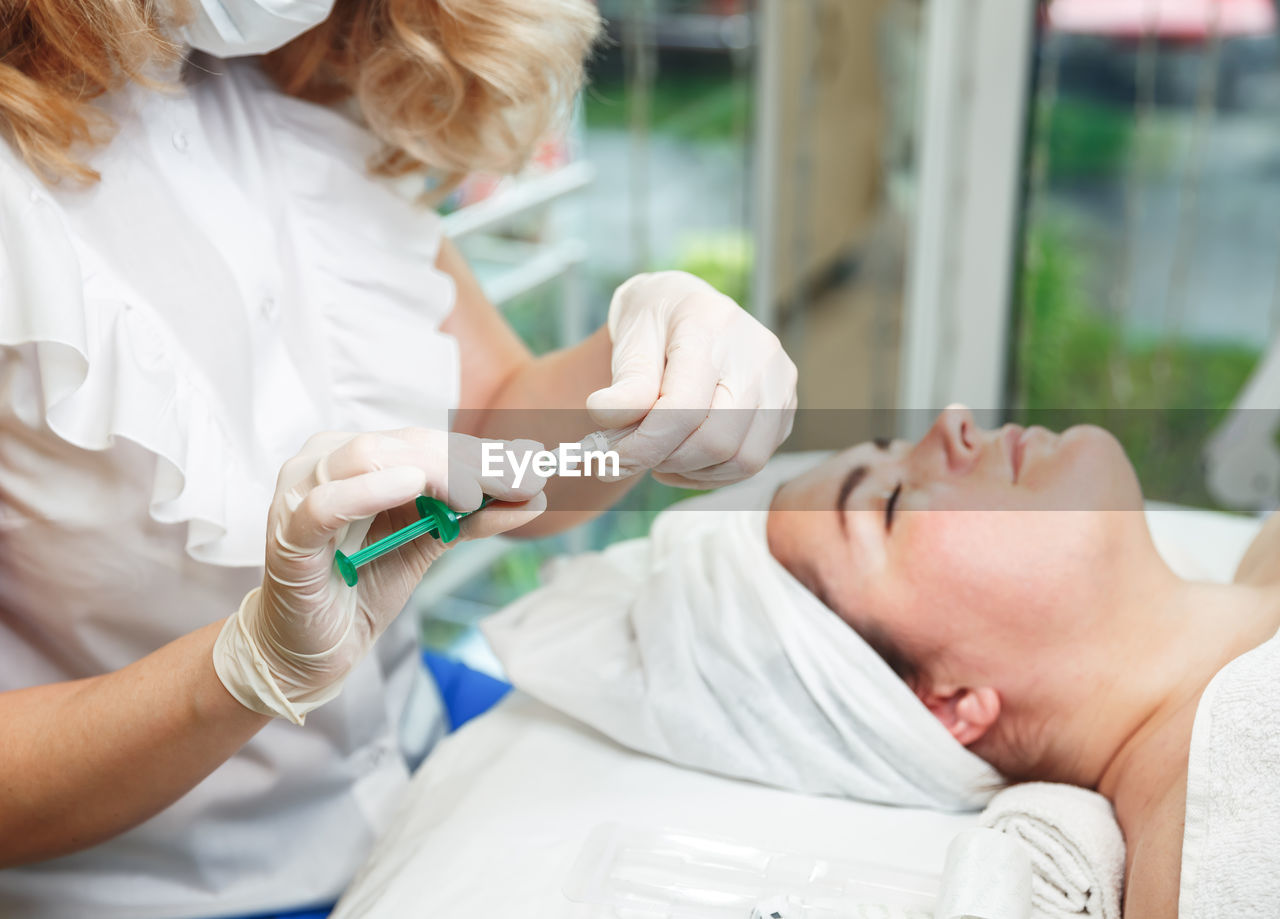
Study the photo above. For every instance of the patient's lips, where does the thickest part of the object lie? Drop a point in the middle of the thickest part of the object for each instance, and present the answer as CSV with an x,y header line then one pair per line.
x,y
1015,437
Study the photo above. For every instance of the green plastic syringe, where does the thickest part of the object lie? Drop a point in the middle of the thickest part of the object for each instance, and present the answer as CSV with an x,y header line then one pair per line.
x,y
441,521
437,520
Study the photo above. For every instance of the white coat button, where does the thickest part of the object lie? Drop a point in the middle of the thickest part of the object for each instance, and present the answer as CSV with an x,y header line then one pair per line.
x,y
180,142
268,308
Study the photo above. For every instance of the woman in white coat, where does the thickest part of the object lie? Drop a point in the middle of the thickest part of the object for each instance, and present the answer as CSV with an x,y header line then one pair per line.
x,y
226,351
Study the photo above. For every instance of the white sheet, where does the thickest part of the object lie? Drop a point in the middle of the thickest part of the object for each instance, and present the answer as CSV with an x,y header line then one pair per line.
x,y
495,819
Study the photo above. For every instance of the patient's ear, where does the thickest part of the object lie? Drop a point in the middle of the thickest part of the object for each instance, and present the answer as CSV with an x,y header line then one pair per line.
x,y
967,713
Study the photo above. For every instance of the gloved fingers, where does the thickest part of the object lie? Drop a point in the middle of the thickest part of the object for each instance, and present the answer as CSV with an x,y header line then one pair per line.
x,y
463,492
299,472
455,464
503,516
639,356
689,388
758,443
415,557
374,450
384,524
716,440
357,533
779,377
330,506
502,469
716,361
653,440
763,392
787,421
335,455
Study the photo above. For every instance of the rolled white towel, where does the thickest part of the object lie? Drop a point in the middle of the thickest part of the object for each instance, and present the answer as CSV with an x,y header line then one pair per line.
x,y
1076,847
987,876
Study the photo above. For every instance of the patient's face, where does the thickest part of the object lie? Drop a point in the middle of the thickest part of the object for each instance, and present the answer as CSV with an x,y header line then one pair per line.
x,y
942,546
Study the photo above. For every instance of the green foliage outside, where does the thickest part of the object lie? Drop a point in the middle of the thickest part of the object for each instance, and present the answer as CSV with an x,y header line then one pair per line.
x,y
1091,140
723,260
1162,399
1086,139
536,317
686,106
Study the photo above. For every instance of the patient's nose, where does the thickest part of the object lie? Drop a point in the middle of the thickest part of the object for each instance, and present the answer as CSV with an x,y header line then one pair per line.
x,y
953,442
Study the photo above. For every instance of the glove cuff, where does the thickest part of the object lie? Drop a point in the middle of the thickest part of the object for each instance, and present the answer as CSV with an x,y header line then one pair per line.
x,y
245,673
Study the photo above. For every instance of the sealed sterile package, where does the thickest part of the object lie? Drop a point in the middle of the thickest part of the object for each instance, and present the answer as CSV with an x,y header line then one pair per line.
x,y
644,873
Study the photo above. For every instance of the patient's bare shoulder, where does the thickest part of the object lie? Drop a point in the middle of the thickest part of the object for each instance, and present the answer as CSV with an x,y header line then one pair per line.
x,y
1154,859
1261,563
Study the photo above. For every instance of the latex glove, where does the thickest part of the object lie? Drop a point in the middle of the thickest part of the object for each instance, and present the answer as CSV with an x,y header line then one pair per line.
x,y
711,388
294,639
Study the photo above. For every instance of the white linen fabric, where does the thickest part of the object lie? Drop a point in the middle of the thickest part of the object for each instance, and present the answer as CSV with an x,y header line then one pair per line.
x,y
1230,856
168,337
697,646
1076,847
987,876
496,819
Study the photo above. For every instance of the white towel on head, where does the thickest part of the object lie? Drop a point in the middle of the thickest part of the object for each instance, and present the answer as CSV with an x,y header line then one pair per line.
x,y
695,645
1231,845
1076,847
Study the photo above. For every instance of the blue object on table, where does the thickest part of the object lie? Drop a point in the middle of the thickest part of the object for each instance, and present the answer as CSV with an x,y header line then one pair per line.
x,y
322,913
466,692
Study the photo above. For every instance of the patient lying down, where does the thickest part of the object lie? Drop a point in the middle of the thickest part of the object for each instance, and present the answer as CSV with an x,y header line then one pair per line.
x,y
1001,614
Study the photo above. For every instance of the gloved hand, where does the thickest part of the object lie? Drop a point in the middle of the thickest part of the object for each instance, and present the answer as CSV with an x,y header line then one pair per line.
x,y
711,388
294,639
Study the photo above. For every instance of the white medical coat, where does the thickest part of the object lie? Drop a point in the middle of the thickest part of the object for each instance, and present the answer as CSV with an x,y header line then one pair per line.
x,y
168,338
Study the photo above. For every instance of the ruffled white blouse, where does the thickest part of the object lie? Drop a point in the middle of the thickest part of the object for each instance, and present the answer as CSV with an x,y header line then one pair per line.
x,y
168,338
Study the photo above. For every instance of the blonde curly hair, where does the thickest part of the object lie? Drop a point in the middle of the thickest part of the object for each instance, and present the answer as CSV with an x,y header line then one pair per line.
x,y
451,86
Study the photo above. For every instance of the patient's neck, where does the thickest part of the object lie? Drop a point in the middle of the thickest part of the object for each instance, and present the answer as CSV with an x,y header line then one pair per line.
x,y
1129,727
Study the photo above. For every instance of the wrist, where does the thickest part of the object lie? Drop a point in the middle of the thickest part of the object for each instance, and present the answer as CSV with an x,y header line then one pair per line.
x,y
212,704
249,676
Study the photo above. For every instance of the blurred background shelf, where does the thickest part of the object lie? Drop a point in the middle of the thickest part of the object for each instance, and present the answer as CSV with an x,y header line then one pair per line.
x,y
516,198
509,268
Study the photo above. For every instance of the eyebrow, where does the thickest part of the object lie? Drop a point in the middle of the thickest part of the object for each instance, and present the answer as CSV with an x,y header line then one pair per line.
x,y
851,481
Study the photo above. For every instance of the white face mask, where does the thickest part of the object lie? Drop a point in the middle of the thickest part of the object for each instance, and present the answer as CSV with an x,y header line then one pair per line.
x,y
234,28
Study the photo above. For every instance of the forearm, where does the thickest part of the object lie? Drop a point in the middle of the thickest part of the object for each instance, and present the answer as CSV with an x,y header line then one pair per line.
x,y
544,399
84,761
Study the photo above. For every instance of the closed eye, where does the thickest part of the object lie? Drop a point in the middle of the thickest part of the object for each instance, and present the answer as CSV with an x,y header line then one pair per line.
x,y
888,509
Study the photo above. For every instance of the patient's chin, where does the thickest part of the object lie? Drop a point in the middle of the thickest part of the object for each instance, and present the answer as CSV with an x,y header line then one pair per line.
x,y
1096,473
